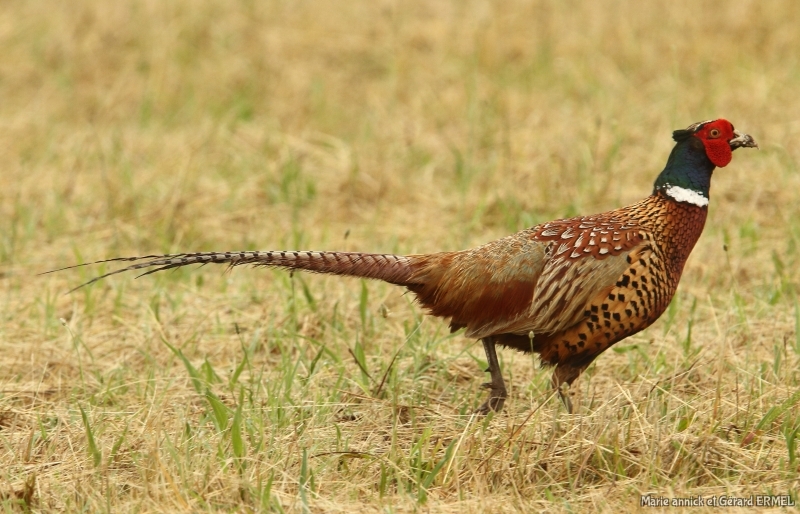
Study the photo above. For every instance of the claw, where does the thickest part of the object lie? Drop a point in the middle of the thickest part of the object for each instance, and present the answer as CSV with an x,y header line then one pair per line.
x,y
493,404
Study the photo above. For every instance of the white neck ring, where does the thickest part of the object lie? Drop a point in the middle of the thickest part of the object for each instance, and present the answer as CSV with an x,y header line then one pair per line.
x,y
681,194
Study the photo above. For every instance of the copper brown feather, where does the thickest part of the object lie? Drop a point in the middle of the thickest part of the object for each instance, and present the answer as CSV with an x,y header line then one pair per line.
x,y
567,289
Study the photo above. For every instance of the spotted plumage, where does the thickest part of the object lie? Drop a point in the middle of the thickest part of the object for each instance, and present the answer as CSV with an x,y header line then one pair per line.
x,y
567,289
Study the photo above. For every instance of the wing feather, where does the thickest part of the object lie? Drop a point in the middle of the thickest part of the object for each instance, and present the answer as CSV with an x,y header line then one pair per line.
x,y
476,288
537,280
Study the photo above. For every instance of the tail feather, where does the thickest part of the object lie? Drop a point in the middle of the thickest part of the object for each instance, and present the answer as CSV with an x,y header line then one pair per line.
x,y
395,269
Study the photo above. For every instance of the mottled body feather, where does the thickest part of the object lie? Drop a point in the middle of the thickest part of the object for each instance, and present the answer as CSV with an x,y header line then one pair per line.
x,y
562,276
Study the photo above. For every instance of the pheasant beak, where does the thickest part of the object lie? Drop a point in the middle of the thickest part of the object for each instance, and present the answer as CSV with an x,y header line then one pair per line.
x,y
742,141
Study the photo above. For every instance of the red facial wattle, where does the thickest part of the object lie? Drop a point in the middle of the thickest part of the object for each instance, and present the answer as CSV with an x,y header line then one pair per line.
x,y
718,152
718,149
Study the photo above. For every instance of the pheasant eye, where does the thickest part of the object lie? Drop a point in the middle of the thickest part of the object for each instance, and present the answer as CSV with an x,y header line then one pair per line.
x,y
714,133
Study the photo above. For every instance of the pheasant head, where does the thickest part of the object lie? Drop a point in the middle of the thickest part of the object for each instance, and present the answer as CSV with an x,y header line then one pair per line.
x,y
699,149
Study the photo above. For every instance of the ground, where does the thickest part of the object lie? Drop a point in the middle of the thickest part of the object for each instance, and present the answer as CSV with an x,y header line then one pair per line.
x,y
141,127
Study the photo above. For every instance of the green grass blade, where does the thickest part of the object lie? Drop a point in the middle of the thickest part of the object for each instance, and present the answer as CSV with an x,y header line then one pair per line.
x,y
774,412
220,411
94,451
194,374
237,441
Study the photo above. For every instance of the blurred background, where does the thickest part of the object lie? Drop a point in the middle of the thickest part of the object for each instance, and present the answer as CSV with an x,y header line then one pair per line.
x,y
143,126
418,126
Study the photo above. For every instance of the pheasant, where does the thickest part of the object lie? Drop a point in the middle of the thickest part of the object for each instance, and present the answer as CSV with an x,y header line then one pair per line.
x,y
567,289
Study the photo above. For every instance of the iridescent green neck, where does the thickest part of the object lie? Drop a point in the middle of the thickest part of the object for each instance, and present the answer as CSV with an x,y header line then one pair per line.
x,y
687,175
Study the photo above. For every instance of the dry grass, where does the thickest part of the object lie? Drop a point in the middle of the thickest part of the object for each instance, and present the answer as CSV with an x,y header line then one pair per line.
x,y
146,126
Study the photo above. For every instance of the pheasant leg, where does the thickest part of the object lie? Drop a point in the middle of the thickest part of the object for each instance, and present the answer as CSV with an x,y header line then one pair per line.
x,y
563,377
497,387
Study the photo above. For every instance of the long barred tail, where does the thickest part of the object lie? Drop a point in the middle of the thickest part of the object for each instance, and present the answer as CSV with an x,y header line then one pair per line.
x,y
395,269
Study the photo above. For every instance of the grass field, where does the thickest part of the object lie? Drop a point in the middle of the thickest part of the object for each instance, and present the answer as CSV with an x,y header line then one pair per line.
x,y
141,127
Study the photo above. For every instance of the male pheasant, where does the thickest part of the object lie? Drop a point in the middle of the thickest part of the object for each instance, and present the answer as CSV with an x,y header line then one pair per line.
x,y
567,289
